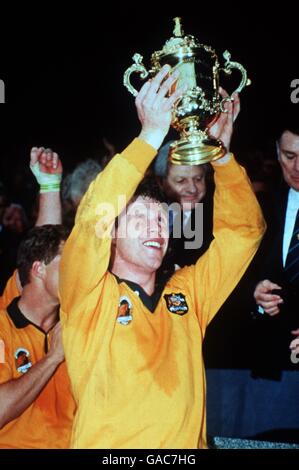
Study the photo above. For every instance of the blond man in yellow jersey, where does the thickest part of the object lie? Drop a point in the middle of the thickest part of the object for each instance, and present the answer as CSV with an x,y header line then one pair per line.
x,y
134,352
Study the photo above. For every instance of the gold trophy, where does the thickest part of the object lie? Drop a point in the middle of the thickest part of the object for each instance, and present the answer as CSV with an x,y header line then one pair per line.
x,y
201,103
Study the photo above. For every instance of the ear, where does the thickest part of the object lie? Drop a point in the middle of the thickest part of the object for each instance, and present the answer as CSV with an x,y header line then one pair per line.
x,y
38,269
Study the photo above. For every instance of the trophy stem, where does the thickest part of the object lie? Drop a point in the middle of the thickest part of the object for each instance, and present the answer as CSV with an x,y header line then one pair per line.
x,y
194,147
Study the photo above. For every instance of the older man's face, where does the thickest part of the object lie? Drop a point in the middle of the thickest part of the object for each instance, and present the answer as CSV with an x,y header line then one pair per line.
x,y
185,184
288,154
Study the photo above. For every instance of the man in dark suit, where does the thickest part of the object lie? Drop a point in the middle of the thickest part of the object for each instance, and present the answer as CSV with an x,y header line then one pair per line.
x,y
278,291
276,325
252,374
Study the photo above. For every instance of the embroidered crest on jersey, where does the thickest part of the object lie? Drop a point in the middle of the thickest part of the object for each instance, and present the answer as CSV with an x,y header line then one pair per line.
x,y
176,303
22,360
124,316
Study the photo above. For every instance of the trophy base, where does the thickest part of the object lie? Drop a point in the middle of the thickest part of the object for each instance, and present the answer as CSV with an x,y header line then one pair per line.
x,y
196,152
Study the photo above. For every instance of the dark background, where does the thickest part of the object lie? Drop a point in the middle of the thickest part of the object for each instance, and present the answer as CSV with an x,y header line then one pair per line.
x,y
63,72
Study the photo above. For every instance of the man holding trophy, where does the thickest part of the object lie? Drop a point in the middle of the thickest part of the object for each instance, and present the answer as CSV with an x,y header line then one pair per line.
x,y
134,348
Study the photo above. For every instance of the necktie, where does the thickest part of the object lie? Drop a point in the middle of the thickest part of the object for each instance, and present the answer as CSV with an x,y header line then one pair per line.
x,y
292,261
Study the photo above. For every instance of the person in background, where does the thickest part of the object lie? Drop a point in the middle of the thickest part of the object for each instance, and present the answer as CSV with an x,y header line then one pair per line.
x,y
74,186
37,407
184,188
277,299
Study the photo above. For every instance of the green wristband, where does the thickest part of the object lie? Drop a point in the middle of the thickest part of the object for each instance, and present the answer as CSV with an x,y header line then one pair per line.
x,y
49,188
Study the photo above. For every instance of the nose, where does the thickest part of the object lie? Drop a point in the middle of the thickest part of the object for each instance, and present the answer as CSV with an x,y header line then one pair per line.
x,y
154,227
296,167
191,187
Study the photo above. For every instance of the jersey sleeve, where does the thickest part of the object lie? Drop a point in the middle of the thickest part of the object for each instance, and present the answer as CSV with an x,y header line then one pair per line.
x,y
238,227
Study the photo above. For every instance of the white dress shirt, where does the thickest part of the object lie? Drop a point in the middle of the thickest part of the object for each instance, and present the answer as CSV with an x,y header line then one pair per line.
x,y
292,208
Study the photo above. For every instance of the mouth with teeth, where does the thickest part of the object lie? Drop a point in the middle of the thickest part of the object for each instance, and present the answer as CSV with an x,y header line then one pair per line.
x,y
154,243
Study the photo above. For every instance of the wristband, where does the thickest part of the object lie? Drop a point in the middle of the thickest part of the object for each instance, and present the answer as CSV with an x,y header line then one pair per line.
x,y
47,182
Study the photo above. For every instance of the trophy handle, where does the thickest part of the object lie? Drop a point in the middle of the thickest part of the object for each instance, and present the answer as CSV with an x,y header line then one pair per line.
x,y
137,67
228,66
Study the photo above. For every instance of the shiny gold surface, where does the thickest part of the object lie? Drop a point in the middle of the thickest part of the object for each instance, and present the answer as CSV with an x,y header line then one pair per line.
x,y
201,104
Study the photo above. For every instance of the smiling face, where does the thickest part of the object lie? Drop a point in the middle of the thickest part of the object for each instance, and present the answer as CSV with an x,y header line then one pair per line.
x,y
142,235
288,154
185,184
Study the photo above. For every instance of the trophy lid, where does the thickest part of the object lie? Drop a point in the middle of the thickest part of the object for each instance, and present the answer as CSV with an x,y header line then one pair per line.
x,y
179,43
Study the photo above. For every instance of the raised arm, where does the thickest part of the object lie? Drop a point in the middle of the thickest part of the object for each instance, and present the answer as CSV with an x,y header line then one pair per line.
x,y
238,228
86,253
47,169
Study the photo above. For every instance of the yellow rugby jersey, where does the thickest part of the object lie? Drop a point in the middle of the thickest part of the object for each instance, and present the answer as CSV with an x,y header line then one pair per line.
x,y
137,375
47,422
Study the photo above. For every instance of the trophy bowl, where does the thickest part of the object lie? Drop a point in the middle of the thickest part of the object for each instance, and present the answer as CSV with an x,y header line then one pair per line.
x,y
201,103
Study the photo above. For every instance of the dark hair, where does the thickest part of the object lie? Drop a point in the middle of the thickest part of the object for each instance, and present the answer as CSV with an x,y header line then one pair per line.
x,y
293,130
40,244
289,121
150,189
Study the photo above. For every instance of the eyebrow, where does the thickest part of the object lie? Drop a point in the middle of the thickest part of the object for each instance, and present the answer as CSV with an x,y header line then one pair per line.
x,y
288,151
